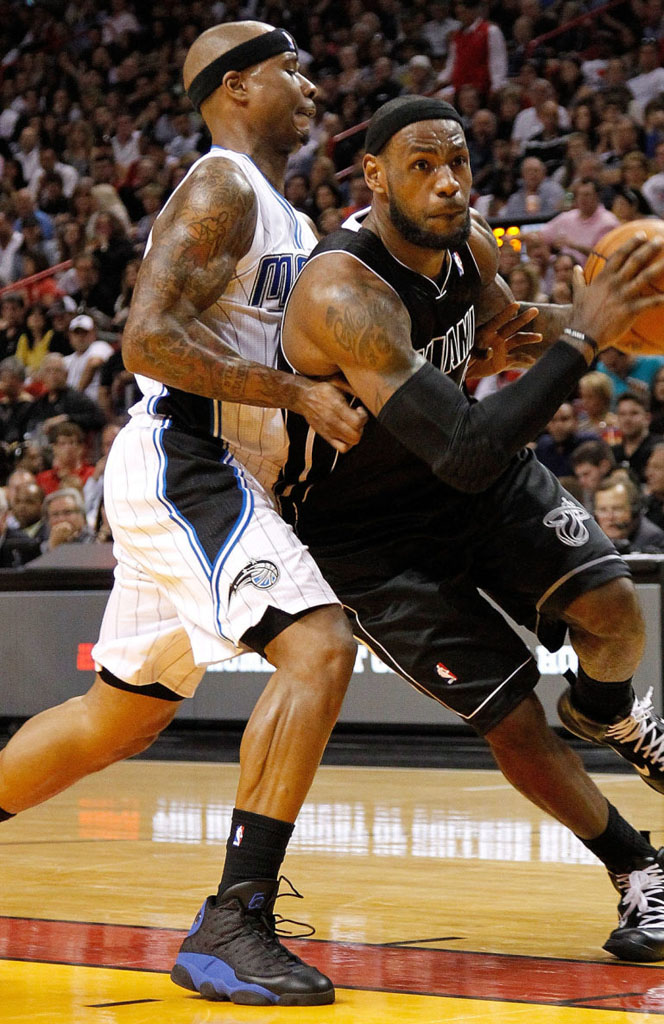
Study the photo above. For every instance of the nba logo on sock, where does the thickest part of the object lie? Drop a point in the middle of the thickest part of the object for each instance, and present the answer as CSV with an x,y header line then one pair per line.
x,y
444,673
239,833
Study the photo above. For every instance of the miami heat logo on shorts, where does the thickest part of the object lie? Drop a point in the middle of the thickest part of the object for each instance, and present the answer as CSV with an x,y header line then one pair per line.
x,y
567,520
259,574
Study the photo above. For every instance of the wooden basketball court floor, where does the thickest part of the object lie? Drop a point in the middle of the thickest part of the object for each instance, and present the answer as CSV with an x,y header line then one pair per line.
x,y
437,896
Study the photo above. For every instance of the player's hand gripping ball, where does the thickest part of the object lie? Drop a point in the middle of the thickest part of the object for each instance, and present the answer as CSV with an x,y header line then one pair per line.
x,y
646,335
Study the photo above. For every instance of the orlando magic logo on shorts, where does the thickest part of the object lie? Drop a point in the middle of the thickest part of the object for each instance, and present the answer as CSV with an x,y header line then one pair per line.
x,y
567,520
260,574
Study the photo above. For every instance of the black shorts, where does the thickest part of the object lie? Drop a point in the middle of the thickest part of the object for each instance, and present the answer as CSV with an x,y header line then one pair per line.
x,y
414,599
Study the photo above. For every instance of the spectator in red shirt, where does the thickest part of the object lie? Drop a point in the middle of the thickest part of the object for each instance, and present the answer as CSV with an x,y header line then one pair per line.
x,y
477,54
68,458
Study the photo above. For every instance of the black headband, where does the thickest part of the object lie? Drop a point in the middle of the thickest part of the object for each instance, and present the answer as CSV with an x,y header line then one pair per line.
x,y
245,55
396,114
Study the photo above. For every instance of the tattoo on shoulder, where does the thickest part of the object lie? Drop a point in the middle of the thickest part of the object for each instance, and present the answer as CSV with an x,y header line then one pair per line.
x,y
361,328
215,214
198,240
208,228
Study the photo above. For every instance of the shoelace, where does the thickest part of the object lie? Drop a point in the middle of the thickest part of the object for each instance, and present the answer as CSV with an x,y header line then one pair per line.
x,y
637,728
636,886
280,920
262,928
269,926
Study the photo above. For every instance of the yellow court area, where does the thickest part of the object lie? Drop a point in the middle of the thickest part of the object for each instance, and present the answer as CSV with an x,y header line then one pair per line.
x,y
437,895
49,994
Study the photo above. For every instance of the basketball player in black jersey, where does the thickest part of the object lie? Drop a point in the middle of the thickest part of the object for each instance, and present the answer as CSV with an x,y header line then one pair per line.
x,y
440,498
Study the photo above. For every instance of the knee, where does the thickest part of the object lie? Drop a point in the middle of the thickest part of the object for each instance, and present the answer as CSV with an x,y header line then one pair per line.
x,y
317,655
332,670
336,655
610,612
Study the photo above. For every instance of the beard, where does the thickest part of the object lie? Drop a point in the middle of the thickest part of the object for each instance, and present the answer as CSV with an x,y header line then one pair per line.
x,y
424,239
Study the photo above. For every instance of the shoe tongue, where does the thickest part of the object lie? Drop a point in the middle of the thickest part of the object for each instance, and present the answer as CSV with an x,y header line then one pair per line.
x,y
256,895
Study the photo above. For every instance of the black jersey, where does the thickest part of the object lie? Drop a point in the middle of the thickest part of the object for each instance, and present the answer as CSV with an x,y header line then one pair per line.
x,y
326,494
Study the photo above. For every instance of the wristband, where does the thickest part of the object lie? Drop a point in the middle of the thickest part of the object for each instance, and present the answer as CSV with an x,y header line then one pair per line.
x,y
581,336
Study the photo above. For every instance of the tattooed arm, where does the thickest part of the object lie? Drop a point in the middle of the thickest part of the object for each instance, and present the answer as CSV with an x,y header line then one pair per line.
x,y
207,227
343,317
197,241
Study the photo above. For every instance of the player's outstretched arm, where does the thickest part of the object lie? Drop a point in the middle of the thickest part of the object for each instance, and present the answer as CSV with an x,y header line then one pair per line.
x,y
207,227
342,316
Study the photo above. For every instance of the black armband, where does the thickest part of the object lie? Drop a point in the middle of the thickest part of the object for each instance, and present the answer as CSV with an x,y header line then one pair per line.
x,y
468,445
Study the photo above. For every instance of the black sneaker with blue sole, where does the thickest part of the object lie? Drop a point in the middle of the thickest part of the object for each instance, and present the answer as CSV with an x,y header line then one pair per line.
x,y
232,953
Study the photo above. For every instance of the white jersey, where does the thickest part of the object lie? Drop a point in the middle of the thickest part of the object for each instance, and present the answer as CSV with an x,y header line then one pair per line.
x,y
206,566
247,317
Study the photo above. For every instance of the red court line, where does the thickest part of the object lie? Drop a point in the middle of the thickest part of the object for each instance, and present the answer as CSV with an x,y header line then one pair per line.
x,y
439,972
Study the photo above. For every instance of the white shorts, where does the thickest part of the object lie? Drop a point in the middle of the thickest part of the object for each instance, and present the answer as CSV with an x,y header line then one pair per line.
x,y
206,566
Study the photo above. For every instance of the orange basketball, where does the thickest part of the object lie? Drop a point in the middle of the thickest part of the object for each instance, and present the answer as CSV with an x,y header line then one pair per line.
x,y
647,332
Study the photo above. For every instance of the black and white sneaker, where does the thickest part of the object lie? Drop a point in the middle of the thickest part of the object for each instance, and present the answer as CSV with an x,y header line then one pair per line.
x,y
232,952
640,933
638,738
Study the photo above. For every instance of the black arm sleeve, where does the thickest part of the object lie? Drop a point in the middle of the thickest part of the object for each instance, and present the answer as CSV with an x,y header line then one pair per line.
x,y
468,445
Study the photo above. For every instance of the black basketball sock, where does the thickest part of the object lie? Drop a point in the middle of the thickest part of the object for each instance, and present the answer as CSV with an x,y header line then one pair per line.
x,y
620,847
603,702
255,848
5,815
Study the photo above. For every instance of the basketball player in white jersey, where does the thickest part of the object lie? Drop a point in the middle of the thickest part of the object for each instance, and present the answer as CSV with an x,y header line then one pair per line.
x,y
206,568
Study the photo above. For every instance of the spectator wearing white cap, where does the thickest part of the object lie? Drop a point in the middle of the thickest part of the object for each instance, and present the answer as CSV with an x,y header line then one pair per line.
x,y
88,357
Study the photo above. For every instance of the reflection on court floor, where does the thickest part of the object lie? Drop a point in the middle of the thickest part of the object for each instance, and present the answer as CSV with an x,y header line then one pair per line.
x,y
436,895
344,828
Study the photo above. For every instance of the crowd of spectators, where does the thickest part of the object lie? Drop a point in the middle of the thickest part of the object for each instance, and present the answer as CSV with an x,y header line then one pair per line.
x,y
612,459
563,107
